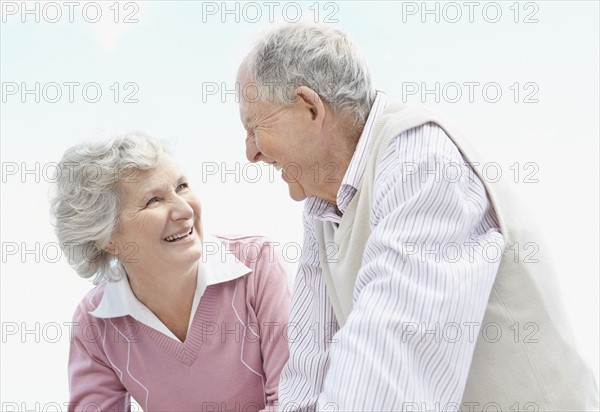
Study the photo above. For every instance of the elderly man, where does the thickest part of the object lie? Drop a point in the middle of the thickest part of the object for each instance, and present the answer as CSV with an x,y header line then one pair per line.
x,y
410,294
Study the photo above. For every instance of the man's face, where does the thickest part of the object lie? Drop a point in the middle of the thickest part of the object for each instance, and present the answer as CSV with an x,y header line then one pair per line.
x,y
285,136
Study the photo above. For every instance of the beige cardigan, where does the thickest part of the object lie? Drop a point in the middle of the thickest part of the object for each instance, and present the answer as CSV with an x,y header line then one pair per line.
x,y
547,375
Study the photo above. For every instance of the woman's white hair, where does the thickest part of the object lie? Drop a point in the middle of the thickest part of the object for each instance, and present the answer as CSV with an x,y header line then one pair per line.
x,y
320,57
85,203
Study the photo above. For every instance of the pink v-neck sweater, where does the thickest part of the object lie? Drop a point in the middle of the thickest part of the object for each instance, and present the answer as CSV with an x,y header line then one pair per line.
x,y
231,359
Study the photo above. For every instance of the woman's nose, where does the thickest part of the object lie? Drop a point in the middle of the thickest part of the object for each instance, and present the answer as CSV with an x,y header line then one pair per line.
x,y
182,209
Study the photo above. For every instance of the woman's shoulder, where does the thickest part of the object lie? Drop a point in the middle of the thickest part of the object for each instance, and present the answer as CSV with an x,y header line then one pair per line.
x,y
248,249
241,239
263,256
89,303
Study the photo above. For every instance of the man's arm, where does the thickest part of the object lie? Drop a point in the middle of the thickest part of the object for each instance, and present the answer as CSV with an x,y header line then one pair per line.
x,y
310,329
421,294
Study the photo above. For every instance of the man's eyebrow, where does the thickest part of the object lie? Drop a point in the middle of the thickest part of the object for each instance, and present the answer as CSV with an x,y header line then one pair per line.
x,y
247,122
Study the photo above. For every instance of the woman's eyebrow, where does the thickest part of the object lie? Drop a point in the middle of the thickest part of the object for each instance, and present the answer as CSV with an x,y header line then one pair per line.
x,y
153,190
162,188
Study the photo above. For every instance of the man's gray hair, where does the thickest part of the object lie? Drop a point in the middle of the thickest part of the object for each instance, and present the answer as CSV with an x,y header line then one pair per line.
x,y
317,56
85,203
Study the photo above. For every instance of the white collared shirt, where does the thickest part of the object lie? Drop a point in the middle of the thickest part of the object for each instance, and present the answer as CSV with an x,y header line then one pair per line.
x,y
366,365
213,267
324,210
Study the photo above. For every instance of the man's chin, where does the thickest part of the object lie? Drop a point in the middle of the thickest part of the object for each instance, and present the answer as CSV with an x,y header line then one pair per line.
x,y
296,193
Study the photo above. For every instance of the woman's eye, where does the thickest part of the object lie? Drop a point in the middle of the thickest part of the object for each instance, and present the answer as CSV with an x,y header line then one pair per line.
x,y
182,186
151,201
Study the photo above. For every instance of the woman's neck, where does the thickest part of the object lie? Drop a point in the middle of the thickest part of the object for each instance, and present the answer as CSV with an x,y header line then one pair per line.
x,y
168,296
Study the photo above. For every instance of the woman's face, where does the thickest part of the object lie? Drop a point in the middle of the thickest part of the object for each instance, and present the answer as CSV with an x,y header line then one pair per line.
x,y
159,226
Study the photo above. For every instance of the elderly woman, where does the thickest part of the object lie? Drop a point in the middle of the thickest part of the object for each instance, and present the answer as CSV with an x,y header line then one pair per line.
x,y
176,328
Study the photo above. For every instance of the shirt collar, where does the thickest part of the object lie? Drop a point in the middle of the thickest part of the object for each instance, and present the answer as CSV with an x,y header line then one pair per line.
x,y
217,265
356,168
323,210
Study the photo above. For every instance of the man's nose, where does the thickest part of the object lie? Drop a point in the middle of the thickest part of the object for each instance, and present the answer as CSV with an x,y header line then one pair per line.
x,y
252,152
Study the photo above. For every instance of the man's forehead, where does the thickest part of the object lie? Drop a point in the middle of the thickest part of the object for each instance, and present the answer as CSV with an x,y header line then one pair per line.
x,y
247,91
243,74
247,112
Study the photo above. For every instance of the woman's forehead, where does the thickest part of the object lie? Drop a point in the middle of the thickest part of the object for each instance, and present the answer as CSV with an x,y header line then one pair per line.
x,y
162,176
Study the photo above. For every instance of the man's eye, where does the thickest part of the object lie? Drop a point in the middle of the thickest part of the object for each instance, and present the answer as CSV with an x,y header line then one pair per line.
x,y
183,186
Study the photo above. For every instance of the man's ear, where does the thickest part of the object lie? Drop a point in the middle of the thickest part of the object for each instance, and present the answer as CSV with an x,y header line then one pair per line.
x,y
313,102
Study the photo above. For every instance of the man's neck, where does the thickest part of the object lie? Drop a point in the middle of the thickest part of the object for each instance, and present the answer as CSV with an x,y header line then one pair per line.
x,y
335,162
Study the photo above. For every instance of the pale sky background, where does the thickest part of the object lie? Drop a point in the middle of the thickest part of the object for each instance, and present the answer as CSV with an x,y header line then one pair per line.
x,y
177,49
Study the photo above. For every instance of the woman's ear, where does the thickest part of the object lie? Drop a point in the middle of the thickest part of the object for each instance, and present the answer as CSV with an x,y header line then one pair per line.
x,y
112,248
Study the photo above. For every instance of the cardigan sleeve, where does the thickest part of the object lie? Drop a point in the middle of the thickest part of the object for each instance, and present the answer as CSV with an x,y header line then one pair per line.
x,y
93,384
272,301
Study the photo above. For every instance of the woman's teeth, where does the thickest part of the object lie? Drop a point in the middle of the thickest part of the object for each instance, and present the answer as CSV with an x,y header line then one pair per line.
x,y
179,236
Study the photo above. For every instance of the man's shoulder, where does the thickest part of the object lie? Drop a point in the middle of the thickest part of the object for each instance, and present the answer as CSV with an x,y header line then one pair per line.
x,y
419,143
395,111
433,134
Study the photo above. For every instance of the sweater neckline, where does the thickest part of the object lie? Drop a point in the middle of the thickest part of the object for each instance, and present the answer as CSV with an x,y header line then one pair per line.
x,y
187,351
